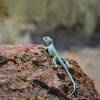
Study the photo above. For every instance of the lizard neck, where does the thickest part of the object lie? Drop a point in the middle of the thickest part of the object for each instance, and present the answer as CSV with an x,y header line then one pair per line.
x,y
52,51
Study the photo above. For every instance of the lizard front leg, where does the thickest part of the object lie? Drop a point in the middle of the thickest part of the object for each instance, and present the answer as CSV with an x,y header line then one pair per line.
x,y
54,61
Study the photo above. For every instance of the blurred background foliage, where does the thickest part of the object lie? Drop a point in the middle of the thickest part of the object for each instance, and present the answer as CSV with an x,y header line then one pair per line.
x,y
70,17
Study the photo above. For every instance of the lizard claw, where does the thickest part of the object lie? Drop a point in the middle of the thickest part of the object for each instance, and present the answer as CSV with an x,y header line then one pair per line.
x,y
45,48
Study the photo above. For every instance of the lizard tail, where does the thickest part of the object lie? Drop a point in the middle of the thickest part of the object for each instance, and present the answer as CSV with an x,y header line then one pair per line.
x,y
70,76
74,88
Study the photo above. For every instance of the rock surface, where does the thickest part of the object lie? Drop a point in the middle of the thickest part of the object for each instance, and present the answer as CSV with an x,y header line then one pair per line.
x,y
27,73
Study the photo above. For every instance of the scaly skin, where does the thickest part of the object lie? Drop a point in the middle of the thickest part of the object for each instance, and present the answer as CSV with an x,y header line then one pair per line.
x,y
56,58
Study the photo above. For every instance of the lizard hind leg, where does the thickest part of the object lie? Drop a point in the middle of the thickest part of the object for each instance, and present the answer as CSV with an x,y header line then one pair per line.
x,y
54,61
66,62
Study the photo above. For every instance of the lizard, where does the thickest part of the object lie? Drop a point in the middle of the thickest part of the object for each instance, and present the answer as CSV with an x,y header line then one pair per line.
x,y
56,58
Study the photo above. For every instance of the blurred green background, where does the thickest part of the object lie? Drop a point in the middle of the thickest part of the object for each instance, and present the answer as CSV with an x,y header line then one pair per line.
x,y
66,18
74,26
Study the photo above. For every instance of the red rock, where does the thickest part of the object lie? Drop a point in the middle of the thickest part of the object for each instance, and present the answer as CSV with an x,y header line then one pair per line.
x,y
27,73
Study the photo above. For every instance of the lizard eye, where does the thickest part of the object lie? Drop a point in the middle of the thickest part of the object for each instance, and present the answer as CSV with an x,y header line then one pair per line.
x,y
46,38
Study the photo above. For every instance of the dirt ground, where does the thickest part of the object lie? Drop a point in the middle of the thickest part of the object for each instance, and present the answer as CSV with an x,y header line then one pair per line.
x,y
89,60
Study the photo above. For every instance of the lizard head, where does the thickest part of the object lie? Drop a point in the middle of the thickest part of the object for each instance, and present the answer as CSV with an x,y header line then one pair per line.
x,y
47,40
